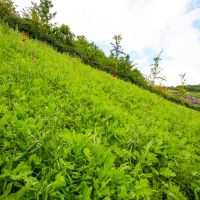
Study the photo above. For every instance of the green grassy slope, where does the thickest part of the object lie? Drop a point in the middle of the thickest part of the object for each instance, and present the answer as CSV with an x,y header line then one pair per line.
x,y
68,131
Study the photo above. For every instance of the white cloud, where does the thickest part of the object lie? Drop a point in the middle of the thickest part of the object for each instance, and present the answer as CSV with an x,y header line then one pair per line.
x,y
143,24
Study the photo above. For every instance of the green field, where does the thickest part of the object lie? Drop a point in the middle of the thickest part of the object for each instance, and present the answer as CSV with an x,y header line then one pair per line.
x,y
68,131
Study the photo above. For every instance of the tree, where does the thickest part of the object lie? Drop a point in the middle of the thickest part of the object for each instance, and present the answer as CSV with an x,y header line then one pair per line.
x,y
117,49
156,70
125,65
7,8
64,34
128,64
183,79
182,89
44,11
81,47
40,13
137,78
32,15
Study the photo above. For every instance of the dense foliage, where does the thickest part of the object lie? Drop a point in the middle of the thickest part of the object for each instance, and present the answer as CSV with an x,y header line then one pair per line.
x,y
191,88
195,88
68,131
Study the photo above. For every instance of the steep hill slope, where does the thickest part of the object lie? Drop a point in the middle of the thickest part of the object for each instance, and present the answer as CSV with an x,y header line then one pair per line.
x,y
68,131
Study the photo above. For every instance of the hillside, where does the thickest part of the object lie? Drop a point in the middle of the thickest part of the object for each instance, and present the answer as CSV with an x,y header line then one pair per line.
x,y
190,98
68,131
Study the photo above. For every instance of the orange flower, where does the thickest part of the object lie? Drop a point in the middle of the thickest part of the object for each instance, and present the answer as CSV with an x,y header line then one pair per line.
x,y
25,33
114,75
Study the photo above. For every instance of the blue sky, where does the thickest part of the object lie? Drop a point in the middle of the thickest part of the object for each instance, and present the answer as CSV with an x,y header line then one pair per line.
x,y
192,5
196,24
146,27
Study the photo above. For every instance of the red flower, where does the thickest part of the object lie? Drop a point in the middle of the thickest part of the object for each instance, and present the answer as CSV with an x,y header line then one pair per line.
x,y
25,33
33,59
23,40
88,60
114,75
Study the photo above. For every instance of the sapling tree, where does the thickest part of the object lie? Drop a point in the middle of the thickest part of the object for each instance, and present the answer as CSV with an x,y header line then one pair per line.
x,y
182,89
156,71
117,49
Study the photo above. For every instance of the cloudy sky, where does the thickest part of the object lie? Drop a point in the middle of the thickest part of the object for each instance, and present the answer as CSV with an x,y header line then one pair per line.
x,y
146,27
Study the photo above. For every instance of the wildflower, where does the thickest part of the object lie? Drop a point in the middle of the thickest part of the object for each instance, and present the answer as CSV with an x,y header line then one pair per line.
x,y
88,60
33,59
23,40
25,33
114,75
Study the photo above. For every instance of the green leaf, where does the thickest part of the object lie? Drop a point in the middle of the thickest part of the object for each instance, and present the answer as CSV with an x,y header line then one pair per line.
x,y
132,195
35,159
59,181
167,172
19,194
151,158
86,193
7,191
6,144
142,183
108,164
138,167
104,191
87,153
123,192
145,191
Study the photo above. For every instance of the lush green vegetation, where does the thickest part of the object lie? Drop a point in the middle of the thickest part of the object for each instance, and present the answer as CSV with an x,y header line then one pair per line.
x,y
190,92
36,20
190,88
68,131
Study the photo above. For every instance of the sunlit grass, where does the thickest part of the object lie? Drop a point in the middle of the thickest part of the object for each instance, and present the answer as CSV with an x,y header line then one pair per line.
x,y
68,131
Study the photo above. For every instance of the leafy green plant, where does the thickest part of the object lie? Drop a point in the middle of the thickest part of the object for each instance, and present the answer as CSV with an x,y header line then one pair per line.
x,y
68,131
